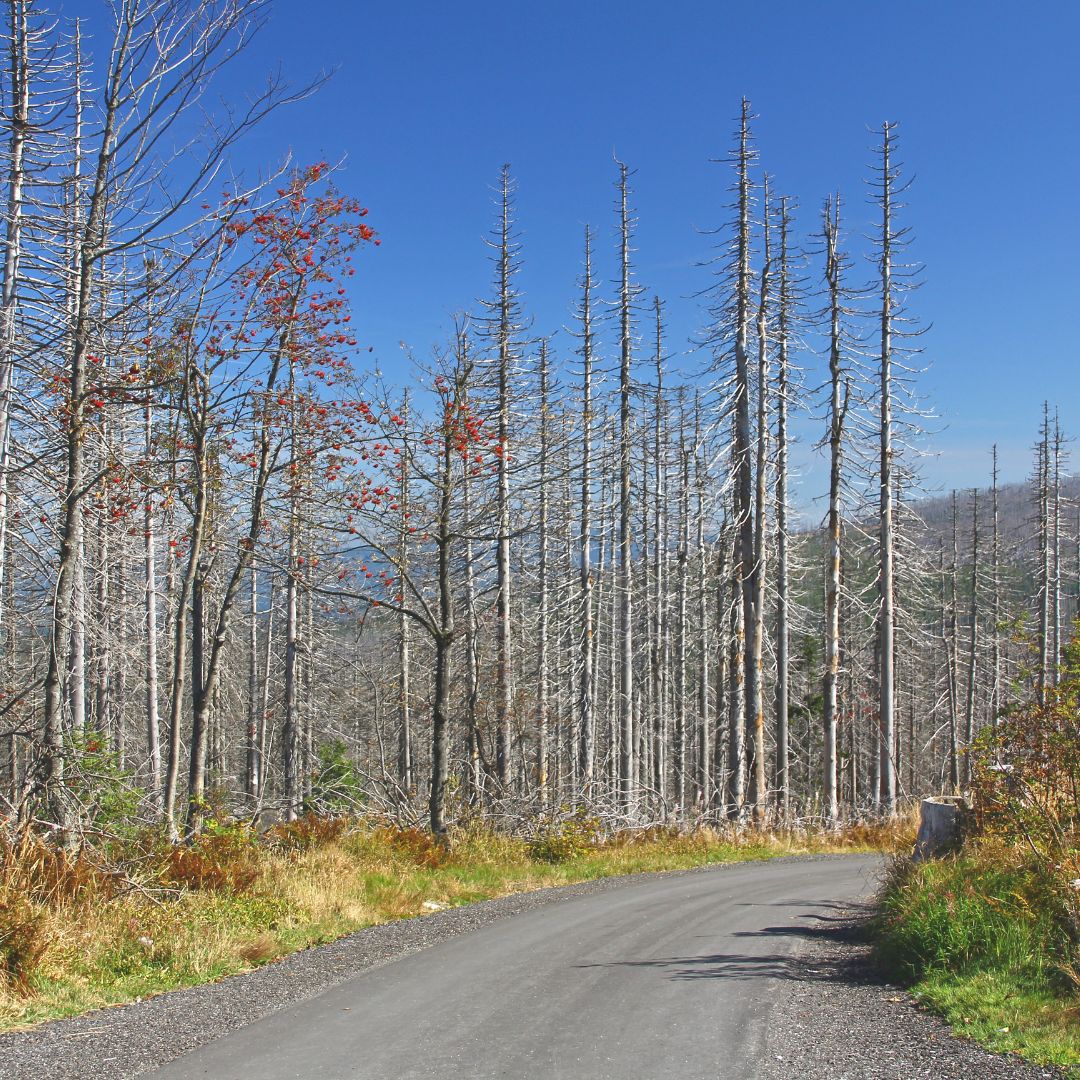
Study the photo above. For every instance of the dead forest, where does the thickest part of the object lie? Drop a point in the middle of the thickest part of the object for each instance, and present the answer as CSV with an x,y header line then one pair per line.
x,y
551,571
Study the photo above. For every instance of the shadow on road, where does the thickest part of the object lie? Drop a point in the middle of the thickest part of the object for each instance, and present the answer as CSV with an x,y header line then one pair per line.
x,y
842,966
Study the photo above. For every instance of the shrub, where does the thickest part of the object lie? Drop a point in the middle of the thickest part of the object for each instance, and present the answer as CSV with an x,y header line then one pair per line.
x,y
260,949
221,859
417,845
1026,784
306,832
106,793
336,786
24,939
40,872
566,840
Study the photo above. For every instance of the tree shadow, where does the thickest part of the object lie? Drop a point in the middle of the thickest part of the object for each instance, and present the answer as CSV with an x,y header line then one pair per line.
x,y
844,966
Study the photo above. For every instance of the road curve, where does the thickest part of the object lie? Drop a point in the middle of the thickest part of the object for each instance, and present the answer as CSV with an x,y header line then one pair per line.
x,y
673,977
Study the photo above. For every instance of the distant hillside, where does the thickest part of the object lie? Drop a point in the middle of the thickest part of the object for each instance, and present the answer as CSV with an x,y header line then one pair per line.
x,y
1016,512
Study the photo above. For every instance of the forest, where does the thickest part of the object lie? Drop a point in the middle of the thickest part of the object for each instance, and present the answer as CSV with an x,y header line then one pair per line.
x,y
244,575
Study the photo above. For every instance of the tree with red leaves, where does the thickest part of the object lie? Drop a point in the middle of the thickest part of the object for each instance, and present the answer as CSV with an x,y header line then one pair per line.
x,y
255,358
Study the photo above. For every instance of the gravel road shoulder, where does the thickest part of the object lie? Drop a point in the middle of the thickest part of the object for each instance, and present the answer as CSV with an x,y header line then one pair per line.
x,y
836,1018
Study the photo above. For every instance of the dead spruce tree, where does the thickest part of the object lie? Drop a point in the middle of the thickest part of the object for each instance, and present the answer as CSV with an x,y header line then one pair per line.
x,y
586,714
728,338
503,328
629,291
896,280
839,400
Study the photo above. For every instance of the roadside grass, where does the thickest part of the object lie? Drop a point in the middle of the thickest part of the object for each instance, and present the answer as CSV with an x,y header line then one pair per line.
x,y
75,937
984,940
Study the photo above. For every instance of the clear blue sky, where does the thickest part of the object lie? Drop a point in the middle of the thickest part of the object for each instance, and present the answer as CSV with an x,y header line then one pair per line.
x,y
429,99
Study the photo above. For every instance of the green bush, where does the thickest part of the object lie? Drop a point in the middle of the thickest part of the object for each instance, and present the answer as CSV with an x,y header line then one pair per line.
x,y
335,787
565,841
1027,781
106,793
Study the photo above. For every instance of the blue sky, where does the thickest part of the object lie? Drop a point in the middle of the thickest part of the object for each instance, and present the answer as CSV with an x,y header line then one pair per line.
x,y
429,99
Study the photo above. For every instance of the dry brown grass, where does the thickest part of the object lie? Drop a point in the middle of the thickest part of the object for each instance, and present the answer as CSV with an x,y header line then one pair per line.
x,y
259,950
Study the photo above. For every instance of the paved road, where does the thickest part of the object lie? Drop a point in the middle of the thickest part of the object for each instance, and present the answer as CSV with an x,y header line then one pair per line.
x,y
670,978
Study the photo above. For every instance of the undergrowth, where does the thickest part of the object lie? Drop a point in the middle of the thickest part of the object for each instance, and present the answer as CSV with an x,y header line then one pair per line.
x,y
983,939
139,917
990,938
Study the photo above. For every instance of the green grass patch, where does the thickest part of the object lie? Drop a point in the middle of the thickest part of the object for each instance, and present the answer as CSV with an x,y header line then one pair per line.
x,y
984,940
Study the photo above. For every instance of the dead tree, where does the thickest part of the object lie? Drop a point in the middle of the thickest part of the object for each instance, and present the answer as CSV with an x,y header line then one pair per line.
x,y
544,589
628,293
504,328
973,641
839,395
785,305
586,718
886,628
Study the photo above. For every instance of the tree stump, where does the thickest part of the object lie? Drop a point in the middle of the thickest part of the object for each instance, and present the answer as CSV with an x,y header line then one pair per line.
x,y
940,826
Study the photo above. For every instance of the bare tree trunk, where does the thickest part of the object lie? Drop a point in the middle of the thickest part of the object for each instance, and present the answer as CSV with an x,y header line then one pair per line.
x,y
973,640
885,614
954,659
658,667
1044,571
783,633
158,53
627,293
744,568
308,714
77,666
995,585
406,780
721,767
290,729
756,623
264,700
10,752
837,414
586,702
90,245
542,674
118,680
18,108
77,673
505,314
609,562
736,703
153,716
180,650
703,777
682,628
102,610
252,747
565,625
1055,555
443,636
472,657
200,718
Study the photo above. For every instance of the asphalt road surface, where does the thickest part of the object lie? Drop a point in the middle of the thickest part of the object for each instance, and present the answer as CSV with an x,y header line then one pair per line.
x,y
670,978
